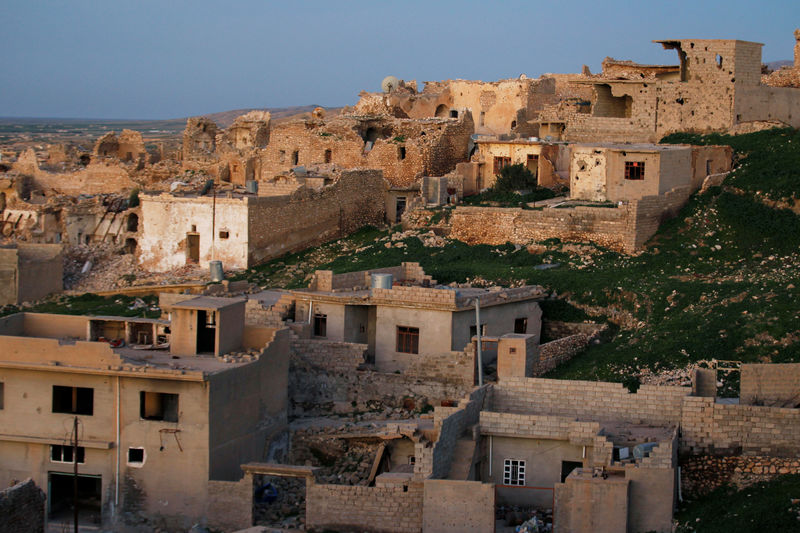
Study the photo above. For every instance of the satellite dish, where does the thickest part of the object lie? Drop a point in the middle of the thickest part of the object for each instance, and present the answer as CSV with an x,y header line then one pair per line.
x,y
389,84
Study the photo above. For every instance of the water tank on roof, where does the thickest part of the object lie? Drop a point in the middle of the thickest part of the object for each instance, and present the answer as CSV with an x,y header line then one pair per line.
x,y
216,271
381,281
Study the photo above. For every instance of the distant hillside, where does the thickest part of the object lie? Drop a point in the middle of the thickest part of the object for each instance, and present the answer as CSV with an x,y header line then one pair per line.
x,y
775,65
226,118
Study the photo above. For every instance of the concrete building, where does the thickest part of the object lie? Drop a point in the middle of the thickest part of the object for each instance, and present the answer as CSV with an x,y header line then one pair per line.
x,y
715,86
29,272
166,410
411,319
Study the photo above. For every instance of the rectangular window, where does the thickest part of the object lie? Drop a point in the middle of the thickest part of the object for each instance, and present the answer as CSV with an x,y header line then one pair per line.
x,y
474,331
500,162
634,170
73,400
2,394
63,454
407,339
224,234
320,325
135,456
513,472
158,406
521,325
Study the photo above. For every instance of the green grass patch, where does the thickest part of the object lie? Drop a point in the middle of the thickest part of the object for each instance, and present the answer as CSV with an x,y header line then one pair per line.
x,y
93,305
766,506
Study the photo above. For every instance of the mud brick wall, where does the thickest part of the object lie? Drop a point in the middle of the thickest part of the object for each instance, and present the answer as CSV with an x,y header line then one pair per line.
x,y
22,508
281,224
770,384
553,353
375,509
338,357
589,400
700,474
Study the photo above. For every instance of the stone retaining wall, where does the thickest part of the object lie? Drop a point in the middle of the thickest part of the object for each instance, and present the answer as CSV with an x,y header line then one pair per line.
x,y
700,474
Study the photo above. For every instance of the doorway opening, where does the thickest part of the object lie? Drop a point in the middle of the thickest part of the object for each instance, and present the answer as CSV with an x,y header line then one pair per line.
x,y
206,331
60,498
192,248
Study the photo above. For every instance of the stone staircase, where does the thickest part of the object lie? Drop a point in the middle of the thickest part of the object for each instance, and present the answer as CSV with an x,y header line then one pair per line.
x,y
273,316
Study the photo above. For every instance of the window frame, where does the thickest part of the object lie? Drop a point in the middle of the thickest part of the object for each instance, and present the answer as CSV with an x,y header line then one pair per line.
x,y
74,410
634,170
514,472
407,339
61,448
523,321
166,412
500,162
320,325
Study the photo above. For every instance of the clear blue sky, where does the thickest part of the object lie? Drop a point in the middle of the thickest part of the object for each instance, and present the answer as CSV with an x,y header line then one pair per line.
x,y
176,58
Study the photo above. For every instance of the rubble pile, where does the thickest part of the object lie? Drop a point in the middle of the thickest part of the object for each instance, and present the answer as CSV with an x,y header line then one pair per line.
x,y
280,502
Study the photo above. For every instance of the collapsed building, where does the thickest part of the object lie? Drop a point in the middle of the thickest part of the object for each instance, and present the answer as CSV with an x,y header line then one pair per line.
x,y
716,86
506,107
165,409
244,229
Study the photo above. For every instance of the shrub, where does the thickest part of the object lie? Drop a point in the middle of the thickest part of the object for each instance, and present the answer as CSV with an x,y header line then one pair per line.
x,y
514,178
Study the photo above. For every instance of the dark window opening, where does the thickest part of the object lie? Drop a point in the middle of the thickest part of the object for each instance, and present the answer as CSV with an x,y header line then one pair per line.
x,y
499,163
567,467
296,157
64,454
634,170
513,124
320,325
473,330
401,152
206,331
133,222
533,164
136,455
521,325
2,394
400,208
482,119
73,400
224,234
328,156
453,113
407,339
441,111
158,406
719,61
193,246
130,246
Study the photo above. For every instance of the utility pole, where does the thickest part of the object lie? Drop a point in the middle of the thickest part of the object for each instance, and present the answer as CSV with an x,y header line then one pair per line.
x,y
75,471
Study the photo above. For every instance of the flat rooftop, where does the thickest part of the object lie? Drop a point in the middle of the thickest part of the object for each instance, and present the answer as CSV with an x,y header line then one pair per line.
x,y
208,302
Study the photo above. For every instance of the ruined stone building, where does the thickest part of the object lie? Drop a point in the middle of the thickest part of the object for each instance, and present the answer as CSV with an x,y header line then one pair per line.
x,y
502,107
715,86
545,160
408,323
244,229
788,76
648,182
167,410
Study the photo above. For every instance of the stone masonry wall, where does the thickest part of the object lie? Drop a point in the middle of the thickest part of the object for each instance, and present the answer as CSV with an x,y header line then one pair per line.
x,y
359,508
776,384
22,508
281,224
589,400
707,427
555,329
554,353
700,474
625,228
337,357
